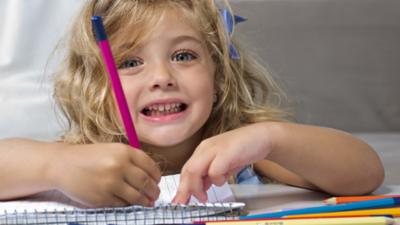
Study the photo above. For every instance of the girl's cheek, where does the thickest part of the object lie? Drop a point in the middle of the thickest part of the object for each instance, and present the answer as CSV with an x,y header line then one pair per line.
x,y
132,92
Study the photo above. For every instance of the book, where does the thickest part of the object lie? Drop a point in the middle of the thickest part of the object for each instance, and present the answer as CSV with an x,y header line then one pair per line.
x,y
54,208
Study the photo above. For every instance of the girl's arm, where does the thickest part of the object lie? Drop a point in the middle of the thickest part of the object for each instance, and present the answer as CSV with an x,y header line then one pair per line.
x,y
93,174
321,158
24,167
301,155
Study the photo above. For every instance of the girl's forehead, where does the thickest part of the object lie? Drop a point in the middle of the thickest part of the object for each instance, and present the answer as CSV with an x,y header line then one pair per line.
x,y
168,23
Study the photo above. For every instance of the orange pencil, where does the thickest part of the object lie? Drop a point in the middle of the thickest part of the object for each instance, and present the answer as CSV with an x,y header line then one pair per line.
x,y
393,212
348,199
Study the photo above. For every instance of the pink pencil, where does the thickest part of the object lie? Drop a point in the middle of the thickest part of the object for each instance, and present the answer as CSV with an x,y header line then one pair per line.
x,y
115,81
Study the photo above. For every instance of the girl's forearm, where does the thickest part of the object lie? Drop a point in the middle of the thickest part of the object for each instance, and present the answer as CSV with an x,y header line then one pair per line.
x,y
332,160
24,167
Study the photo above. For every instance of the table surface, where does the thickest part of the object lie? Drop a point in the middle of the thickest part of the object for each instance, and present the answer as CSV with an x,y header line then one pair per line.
x,y
272,197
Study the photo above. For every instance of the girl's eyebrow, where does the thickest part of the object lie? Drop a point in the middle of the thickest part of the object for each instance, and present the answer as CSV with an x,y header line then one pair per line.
x,y
184,38
174,40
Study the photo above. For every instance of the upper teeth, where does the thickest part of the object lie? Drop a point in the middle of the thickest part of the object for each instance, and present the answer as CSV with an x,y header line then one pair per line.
x,y
164,107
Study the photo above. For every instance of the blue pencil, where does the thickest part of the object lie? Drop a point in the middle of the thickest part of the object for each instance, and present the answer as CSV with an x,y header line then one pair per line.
x,y
377,203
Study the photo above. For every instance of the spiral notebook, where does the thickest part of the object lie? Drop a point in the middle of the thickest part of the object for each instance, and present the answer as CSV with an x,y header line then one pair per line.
x,y
54,208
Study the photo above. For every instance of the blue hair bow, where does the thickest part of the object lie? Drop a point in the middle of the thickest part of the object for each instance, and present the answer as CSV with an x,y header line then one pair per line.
x,y
230,21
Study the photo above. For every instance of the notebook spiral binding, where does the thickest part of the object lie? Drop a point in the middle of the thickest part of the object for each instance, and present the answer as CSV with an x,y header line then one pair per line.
x,y
132,215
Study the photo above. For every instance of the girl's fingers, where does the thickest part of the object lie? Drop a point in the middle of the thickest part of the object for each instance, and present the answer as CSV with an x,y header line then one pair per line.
x,y
190,185
194,176
118,202
192,181
143,183
219,170
181,197
198,191
112,201
143,161
234,172
206,184
132,196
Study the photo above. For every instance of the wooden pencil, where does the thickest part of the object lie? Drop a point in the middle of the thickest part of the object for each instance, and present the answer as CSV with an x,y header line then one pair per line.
x,y
348,199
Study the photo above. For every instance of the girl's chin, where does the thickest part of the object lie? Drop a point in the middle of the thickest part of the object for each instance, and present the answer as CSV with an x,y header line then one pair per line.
x,y
180,137
163,142
172,140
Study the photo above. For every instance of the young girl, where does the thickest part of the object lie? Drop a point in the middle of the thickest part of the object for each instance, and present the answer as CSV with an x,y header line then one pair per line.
x,y
197,110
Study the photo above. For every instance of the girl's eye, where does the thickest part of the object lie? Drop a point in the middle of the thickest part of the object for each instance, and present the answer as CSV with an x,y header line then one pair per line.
x,y
130,63
184,56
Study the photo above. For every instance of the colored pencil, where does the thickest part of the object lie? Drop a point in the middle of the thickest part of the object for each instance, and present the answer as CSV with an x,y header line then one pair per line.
x,y
393,212
381,220
370,204
348,199
108,59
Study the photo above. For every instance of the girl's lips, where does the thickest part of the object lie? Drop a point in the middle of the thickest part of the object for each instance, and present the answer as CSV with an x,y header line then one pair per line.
x,y
164,110
165,118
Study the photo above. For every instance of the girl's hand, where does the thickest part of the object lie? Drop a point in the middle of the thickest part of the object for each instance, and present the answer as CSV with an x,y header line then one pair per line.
x,y
219,157
100,175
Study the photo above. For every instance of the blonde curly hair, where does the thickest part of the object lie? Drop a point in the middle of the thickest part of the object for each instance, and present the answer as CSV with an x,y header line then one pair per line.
x,y
245,89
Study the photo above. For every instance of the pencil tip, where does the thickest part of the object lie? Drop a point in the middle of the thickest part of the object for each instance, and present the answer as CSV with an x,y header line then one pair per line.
x,y
330,201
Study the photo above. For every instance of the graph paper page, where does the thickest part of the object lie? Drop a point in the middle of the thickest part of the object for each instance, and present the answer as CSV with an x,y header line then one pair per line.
x,y
54,200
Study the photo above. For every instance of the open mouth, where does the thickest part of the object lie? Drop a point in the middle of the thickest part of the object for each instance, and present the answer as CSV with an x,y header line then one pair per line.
x,y
164,109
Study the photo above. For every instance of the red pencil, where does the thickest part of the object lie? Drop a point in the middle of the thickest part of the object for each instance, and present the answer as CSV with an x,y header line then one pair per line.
x,y
348,199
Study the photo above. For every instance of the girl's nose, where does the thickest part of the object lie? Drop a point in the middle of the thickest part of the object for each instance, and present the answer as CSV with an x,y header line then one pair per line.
x,y
162,77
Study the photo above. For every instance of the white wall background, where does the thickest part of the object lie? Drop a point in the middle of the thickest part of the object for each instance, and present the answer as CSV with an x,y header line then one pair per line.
x,y
29,33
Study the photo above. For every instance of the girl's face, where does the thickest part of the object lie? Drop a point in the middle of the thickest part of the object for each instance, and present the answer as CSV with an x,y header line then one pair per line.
x,y
169,83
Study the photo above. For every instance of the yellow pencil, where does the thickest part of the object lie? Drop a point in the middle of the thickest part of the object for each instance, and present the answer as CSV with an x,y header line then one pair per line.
x,y
378,220
395,212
